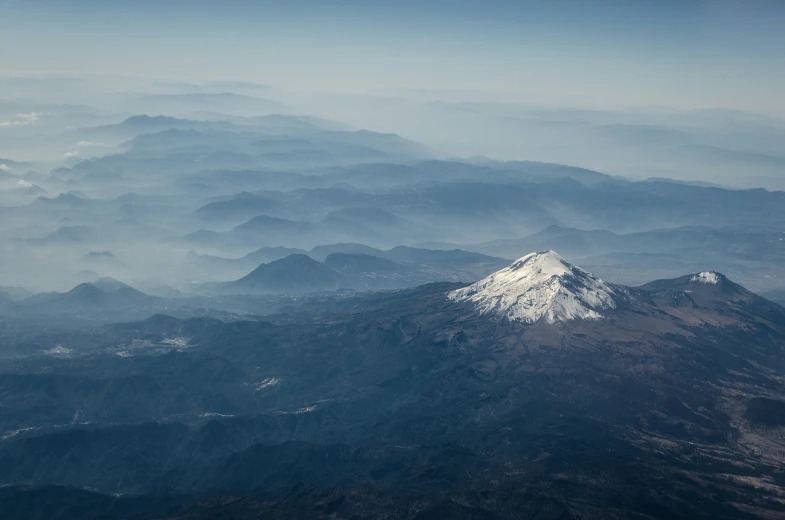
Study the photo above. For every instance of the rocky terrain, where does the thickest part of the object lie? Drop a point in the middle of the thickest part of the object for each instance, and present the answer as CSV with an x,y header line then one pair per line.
x,y
414,404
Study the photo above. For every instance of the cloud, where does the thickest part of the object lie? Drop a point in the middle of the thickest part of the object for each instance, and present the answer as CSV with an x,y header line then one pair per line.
x,y
24,184
71,155
26,119
88,143
5,167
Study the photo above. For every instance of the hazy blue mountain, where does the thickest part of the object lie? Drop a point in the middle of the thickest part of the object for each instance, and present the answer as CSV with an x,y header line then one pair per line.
x,y
143,124
777,296
103,259
241,208
71,235
97,298
294,273
266,225
377,220
227,102
359,267
435,257
322,252
358,264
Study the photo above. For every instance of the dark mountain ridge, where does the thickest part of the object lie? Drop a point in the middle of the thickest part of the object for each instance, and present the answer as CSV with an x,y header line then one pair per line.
x,y
294,273
650,410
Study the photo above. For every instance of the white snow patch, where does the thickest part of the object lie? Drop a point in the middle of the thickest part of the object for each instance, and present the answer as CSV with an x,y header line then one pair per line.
x,y
14,433
540,286
307,409
706,277
177,342
267,383
59,350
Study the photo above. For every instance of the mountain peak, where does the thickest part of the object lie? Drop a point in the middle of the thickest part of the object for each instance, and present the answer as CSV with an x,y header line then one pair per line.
x,y
293,273
540,286
707,277
548,263
703,287
85,290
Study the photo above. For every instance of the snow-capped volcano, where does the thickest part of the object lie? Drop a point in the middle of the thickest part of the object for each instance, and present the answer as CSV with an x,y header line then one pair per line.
x,y
541,286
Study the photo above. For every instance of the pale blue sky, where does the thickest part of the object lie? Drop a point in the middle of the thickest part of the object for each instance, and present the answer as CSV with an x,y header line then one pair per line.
x,y
687,54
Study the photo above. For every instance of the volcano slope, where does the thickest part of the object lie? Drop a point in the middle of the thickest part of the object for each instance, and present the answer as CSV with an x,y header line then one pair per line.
x,y
538,392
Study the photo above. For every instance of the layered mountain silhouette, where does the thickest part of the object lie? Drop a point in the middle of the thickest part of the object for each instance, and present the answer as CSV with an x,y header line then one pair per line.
x,y
356,266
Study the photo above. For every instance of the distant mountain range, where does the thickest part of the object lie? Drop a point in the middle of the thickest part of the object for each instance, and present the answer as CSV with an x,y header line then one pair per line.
x,y
215,183
226,102
350,266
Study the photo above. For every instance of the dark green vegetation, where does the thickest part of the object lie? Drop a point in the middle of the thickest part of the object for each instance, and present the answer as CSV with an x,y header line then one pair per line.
x,y
403,405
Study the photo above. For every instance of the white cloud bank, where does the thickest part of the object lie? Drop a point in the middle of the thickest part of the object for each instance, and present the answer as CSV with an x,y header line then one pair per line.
x,y
26,119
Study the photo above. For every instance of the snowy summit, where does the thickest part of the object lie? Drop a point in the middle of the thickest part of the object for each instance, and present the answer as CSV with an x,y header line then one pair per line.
x,y
706,277
540,286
